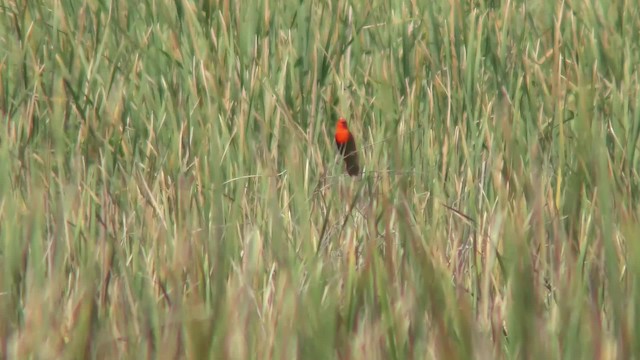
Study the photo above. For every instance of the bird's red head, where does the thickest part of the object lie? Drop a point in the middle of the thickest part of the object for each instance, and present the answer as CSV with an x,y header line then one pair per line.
x,y
342,131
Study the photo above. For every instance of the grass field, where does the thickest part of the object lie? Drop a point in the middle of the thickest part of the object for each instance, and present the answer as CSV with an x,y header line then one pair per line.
x,y
170,186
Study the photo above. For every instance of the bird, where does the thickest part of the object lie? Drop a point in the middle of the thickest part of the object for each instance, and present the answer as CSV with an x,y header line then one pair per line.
x,y
347,146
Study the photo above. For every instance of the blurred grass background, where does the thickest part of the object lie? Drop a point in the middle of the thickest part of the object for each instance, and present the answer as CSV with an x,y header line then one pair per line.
x,y
169,185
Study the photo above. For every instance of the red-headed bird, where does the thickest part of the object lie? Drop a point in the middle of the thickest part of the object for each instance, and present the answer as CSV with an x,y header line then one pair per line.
x,y
347,147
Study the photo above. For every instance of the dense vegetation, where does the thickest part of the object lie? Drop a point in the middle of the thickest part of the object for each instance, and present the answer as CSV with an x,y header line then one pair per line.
x,y
170,188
